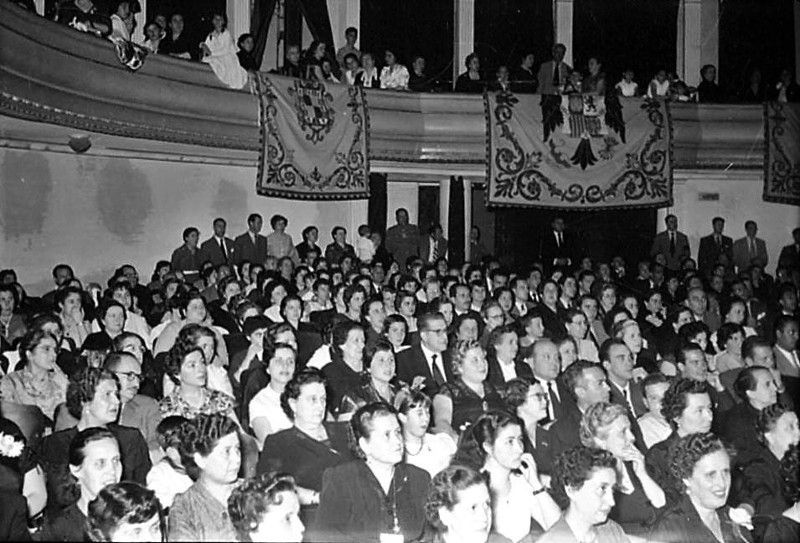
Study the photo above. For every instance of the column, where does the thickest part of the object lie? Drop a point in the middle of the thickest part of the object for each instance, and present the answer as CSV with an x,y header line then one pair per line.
x,y
40,7
562,14
343,14
796,38
238,12
700,35
467,217
444,205
463,33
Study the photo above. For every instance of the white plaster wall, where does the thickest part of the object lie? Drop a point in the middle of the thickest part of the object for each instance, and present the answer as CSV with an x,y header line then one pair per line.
x,y
740,199
96,213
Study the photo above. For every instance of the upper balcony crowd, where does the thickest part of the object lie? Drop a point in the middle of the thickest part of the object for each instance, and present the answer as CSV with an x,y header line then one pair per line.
x,y
168,34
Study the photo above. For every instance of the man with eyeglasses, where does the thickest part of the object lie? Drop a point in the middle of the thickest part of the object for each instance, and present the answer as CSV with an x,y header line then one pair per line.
x,y
429,359
136,410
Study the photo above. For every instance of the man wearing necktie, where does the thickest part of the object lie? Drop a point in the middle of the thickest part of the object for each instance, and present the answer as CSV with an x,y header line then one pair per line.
x,y
428,359
552,76
672,244
750,249
556,249
219,248
715,249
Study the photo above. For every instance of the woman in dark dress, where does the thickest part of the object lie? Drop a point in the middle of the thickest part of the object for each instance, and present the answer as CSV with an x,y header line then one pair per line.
x,y
378,387
458,404
345,372
471,81
246,43
528,401
309,447
377,497
703,464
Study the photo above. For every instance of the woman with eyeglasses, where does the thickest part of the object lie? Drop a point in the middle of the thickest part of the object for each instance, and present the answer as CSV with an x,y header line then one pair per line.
x,y
528,401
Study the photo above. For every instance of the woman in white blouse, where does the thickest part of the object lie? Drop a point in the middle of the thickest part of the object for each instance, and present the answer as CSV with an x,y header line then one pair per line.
x,y
266,414
431,452
219,51
394,75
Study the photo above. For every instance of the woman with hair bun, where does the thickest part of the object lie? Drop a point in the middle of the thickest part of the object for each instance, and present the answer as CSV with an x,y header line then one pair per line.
x,y
377,497
267,509
210,453
125,512
94,462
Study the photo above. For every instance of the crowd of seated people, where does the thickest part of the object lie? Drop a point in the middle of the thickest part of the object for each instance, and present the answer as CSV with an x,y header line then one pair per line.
x,y
259,388
384,70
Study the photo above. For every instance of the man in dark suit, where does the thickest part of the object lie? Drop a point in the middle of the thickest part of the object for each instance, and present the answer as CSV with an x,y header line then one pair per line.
x,y
251,246
586,384
750,249
618,362
557,248
546,365
218,248
790,254
554,74
428,359
715,248
672,244
434,245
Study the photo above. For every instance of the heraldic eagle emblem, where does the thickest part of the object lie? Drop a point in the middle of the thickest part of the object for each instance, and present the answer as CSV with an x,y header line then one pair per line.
x,y
585,116
312,104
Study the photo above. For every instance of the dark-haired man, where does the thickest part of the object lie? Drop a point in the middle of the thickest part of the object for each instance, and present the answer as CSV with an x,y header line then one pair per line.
x,y
218,248
189,258
756,388
428,359
251,246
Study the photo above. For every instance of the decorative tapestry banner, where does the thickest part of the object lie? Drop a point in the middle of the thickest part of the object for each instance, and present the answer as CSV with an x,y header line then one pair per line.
x,y
578,151
314,140
782,161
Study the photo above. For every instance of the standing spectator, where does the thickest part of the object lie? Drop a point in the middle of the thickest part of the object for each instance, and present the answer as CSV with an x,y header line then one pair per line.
x,y
787,89
418,81
402,239
393,75
291,66
251,246
471,81
177,43
309,243
339,248
279,243
790,254
524,79
557,249
715,248
351,37
708,90
218,248
671,243
477,250
189,258
247,60
553,74
434,245
365,248
368,77
750,249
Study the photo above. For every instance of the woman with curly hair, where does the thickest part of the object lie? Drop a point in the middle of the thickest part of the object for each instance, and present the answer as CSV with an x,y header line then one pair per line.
x,y
606,426
125,512
583,485
493,445
459,403
211,455
431,452
459,508
378,387
377,495
93,400
688,409
703,465
267,509
760,480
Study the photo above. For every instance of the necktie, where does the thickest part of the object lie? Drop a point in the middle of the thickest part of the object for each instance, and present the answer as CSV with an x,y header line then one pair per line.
x,y
434,250
437,374
556,77
718,240
752,248
628,401
672,244
558,239
796,360
222,246
552,399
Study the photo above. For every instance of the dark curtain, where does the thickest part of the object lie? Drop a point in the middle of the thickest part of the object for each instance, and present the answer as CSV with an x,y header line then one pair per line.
x,y
377,207
259,26
456,222
315,13
636,34
754,34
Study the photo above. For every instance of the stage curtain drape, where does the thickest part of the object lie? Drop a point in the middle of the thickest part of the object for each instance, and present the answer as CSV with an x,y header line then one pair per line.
x,y
378,202
262,17
315,13
456,222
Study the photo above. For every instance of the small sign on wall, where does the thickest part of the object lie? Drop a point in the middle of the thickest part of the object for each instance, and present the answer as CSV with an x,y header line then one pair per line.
x,y
708,196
